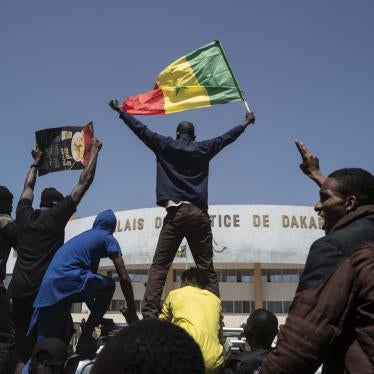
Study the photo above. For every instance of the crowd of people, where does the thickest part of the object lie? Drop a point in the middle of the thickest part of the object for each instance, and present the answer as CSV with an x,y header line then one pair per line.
x,y
330,321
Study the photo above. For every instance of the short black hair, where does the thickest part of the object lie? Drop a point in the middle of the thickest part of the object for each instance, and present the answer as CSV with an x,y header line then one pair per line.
x,y
49,197
261,328
196,277
150,346
357,182
6,200
186,127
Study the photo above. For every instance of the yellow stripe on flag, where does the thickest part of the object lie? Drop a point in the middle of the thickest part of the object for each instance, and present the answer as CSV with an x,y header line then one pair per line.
x,y
181,88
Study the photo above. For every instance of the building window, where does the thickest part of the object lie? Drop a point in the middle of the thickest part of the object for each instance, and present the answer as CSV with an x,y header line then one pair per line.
x,y
177,275
286,306
235,275
245,276
281,275
276,275
227,307
136,275
291,275
139,275
244,306
117,304
238,306
277,307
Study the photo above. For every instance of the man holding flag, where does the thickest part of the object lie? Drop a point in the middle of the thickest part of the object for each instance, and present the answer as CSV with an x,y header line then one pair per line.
x,y
199,79
182,188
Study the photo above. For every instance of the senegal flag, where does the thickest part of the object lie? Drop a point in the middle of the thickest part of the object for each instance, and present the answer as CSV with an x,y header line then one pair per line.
x,y
200,79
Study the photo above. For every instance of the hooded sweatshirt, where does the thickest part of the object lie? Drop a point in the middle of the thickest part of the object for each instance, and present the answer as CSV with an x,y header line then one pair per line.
x,y
77,261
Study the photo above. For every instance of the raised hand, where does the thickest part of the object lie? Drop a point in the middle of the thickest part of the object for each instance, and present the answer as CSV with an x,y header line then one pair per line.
x,y
115,106
37,155
310,163
248,119
95,145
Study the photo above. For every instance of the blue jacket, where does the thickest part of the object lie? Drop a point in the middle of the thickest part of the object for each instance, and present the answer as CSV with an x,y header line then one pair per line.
x,y
73,269
182,164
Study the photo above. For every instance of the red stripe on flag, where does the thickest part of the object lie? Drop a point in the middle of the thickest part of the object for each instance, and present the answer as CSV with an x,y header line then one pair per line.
x,y
151,102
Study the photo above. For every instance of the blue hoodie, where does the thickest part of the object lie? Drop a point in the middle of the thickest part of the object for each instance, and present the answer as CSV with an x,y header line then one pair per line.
x,y
77,261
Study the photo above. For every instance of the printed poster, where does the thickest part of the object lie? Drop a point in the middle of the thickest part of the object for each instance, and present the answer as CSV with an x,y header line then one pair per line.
x,y
64,148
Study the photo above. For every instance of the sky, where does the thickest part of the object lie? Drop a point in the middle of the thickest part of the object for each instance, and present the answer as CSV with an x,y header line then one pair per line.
x,y
306,68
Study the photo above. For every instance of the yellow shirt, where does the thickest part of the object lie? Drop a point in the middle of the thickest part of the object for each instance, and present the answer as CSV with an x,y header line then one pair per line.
x,y
198,312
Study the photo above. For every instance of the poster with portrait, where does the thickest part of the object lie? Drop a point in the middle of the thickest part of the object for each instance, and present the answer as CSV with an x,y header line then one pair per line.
x,y
64,148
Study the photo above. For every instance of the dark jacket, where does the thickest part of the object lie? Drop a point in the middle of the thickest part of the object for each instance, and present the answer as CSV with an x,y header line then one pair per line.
x,y
331,319
182,164
245,362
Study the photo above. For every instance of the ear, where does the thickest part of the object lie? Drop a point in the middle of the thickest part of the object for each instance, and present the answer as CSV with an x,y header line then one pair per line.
x,y
351,203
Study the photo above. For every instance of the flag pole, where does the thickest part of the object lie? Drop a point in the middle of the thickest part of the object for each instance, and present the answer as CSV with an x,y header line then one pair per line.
x,y
233,77
246,106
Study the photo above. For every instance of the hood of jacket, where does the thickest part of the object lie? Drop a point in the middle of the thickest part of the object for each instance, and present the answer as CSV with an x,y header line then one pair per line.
x,y
105,220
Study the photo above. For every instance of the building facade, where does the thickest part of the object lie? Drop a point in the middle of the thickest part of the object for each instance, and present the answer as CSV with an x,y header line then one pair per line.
x,y
259,253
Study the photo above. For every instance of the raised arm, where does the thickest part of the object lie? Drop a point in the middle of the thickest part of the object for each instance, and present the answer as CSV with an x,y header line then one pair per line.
x,y
28,188
310,164
149,138
126,287
88,173
218,143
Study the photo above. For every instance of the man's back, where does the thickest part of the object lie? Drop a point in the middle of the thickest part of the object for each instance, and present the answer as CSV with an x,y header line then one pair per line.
x,y
245,362
39,234
198,312
182,164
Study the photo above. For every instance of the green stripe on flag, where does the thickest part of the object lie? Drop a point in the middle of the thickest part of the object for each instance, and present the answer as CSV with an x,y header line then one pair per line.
x,y
213,73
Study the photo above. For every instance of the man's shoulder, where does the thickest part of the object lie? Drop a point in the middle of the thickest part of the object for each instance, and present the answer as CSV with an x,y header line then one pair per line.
x,y
198,292
24,202
24,209
352,236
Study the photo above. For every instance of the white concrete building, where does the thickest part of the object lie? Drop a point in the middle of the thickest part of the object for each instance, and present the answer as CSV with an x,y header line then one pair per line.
x,y
259,253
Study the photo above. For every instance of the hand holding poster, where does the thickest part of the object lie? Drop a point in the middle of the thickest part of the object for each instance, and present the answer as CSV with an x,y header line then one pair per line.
x,y
64,148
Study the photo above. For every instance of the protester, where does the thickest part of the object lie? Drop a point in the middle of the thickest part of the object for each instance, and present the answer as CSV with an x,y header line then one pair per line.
x,y
260,331
72,277
331,318
198,312
48,357
40,233
150,346
182,188
7,241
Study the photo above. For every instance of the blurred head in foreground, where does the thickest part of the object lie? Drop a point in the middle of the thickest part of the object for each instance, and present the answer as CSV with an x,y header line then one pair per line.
x,y
150,346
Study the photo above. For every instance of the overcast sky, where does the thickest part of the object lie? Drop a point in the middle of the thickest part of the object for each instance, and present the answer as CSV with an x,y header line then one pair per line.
x,y
306,68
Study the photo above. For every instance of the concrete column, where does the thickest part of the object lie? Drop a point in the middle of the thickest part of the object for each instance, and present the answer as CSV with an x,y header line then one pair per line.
x,y
169,284
257,284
